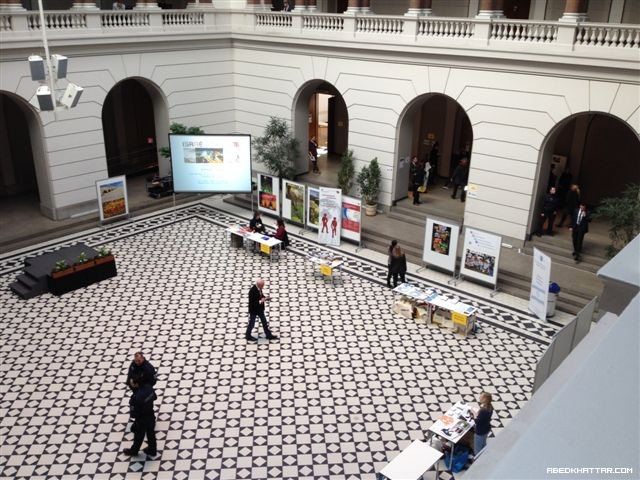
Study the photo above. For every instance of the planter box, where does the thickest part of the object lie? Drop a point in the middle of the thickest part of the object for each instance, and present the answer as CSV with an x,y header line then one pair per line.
x,y
82,275
62,273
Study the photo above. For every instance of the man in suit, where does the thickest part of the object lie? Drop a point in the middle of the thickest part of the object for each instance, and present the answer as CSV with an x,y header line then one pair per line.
x,y
549,210
579,227
256,309
416,177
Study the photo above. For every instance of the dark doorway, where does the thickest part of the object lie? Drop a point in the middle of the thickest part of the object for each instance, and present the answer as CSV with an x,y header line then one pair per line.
x,y
342,6
517,9
129,129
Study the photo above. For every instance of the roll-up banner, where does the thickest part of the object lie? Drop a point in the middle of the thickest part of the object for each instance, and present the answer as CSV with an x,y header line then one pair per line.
x,y
441,244
480,255
313,207
269,194
351,218
293,202
540,277
330,216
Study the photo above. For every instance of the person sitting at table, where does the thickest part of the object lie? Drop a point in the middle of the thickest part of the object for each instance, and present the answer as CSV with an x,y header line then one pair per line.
x,y
483,422
398,265
256,225
281,233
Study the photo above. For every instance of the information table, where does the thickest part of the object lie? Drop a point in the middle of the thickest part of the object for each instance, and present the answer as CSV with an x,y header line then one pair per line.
x,y
453,425
268,245
327,265
439,309
412,463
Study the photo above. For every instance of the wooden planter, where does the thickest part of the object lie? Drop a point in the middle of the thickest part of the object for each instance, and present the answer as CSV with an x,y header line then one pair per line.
x,y
82,275
62,273
83,266
105,259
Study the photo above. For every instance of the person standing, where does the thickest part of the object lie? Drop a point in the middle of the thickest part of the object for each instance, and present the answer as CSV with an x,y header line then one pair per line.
x,y
257,299
571,202
313,154
549,211
460,177
416,175
482,422
398,265
579,227
141,370
141,404
389,257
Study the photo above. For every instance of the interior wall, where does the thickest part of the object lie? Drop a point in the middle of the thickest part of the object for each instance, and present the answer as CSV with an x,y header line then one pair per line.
x,y
631,12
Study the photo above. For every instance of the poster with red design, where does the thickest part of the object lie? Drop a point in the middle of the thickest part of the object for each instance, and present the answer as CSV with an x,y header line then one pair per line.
x,y
351,218
330,216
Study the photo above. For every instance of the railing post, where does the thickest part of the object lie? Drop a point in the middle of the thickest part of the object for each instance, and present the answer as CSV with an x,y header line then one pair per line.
x,y
155,18
482,32
350,25
93,20
567,34
209,19
19,23
411,24
296,21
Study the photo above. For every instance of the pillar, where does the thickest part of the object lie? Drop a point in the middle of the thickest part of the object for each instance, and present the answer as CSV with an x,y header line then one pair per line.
x,y
257,4
419,8
299,5
80,5
575,11
491,9
312,5
358,6
10,6
147,5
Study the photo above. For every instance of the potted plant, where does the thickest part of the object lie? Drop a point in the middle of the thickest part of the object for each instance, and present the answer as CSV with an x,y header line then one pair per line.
x,y
369,182
104,256
623,214
61,269
277,149
83,262
346,172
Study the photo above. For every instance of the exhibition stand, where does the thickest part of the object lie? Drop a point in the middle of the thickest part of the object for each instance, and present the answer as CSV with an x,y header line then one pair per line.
x,y
434,309
412,463
326,265
243,237
453,426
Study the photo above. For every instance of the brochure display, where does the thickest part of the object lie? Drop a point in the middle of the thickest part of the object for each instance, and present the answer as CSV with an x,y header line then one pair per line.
x,y
313,207
269,194
480,255
540,277
293,199
441,244
351,218
330,216
112,198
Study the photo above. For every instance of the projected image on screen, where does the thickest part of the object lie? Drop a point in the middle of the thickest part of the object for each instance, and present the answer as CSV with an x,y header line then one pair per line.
x,y
211,163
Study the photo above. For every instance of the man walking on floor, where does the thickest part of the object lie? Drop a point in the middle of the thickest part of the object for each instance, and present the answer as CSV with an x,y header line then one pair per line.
x,y
256,309
579,227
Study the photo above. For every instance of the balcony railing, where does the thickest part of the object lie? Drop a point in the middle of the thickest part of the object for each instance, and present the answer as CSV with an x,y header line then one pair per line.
x,y
420,31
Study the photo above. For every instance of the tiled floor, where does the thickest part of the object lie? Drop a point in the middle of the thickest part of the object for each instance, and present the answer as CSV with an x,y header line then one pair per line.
x,y
347,386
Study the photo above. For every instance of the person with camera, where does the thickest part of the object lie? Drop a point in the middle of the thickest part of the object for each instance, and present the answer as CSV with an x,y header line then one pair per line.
x,y
257,300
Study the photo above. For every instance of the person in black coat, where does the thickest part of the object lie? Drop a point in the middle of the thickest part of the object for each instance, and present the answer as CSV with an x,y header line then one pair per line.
x,y
256,225
398,265
141,404
256,309
416,174
579,227
460,178
571,202
141,370
389,258
549,211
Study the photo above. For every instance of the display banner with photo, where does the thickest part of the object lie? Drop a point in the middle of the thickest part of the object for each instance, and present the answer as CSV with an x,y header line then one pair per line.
x,y
269,194
441,244
293,199
351,218
480,255
330,216
540,277
112,198
313,207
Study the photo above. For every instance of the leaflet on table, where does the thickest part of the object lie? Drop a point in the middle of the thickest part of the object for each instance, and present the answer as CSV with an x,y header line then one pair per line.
x,y
457,421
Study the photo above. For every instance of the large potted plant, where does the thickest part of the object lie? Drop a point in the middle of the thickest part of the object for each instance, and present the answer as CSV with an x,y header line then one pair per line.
x,y
369,182
623,214
346,173
277,149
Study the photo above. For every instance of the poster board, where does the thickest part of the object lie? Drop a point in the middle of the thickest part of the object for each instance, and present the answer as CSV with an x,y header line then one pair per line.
x,y
351,218
330,216
112,198
480,255
269,194
441,244
313,207
293,202
540,276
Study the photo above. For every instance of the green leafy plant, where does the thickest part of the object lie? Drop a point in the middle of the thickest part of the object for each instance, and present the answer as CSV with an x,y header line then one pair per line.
x,y
623,213
277,149
346,173
179,129
103,252
368,180
61,265
82,258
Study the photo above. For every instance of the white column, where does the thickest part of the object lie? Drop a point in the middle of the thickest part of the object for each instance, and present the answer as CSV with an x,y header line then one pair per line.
x,y
419,8
491,9
84,6
575,11
10,6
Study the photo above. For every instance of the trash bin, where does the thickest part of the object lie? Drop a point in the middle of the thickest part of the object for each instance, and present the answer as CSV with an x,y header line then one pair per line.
x,y
554,290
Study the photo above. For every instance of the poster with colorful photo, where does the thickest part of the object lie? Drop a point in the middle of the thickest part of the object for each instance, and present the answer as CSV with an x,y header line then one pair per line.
x,y
112,198
441,243
351,218
330,216
269,194
480,255
293,202
313,207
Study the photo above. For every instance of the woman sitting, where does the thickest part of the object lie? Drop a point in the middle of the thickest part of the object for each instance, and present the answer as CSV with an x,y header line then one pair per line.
x,y
281,233
256,224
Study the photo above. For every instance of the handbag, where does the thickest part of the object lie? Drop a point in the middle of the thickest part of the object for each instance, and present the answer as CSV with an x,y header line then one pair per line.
x,y
422,189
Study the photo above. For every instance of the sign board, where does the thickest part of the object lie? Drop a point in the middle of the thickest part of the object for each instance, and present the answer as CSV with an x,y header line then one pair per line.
x,y
351,218
313,207
480,255
112,198
540,277
269,194
459,318
330,216
293,202
326,270
441,243
265,248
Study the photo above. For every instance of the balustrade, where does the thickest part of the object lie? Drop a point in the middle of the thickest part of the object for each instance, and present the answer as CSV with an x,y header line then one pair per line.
x,y
331,23
182,18
58,20
606,35
119,19
276,19
445,27
524,31
377,24
6,24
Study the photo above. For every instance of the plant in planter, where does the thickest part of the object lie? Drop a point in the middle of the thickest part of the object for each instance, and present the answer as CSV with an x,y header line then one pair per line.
x,y
623,214
83,262
346,172
61,268
277,149
369,182
104,255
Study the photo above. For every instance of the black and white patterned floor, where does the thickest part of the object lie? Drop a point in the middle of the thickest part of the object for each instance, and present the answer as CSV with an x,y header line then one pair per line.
x,y
346,387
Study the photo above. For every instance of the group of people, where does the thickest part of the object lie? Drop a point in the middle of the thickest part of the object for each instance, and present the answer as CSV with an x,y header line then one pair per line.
x,y
424,174
256,226
565,200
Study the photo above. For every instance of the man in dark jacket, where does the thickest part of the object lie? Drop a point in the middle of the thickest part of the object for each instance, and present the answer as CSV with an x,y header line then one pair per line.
x,y
141,370
460,178
550,204
579,227
416,173
141,404
256,309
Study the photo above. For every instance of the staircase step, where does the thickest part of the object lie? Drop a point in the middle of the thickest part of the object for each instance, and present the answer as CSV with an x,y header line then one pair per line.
x,y
418,214
22,290
28,281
